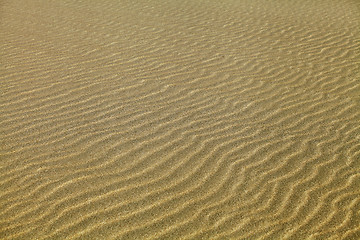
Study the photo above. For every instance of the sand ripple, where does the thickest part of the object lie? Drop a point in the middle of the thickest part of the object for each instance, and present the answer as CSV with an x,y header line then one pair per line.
x,y
180,119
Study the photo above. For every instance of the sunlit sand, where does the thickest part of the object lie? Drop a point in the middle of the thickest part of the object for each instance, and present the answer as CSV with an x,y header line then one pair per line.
x,y
180,119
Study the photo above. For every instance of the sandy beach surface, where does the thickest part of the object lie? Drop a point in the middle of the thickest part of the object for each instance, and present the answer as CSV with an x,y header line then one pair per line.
x,y
192,119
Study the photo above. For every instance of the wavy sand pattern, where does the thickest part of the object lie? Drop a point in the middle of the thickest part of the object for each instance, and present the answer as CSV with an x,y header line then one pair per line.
x,y
180,119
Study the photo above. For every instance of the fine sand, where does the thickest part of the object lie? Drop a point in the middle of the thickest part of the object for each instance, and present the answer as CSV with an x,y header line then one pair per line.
x,y
191,119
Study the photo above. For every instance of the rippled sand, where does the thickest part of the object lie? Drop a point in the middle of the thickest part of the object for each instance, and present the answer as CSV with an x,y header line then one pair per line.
x,y
180,119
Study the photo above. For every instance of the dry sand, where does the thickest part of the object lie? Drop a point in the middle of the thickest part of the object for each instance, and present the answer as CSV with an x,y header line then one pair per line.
x,y
172,119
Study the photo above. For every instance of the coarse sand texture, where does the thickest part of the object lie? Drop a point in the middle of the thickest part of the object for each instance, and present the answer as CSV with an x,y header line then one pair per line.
x,y
169,119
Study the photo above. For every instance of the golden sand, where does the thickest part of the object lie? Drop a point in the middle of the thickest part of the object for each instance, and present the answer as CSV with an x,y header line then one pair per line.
x,y
195,119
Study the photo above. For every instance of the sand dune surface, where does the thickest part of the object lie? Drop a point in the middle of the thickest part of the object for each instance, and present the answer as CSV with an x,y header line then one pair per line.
x,y
180,119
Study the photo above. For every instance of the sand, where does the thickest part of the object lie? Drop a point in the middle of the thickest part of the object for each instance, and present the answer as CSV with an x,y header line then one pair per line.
x,y
180,119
